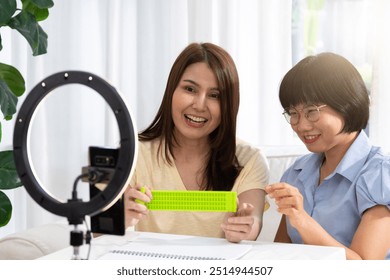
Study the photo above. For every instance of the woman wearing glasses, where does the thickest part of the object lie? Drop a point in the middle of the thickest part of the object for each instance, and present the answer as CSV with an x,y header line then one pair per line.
x,y
339,194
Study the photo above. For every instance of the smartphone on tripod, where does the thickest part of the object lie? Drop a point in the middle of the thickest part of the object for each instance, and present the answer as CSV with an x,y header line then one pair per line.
x,y
111,221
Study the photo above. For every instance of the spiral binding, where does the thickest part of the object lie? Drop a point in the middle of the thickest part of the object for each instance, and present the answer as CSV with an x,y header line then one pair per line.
x,y
161,256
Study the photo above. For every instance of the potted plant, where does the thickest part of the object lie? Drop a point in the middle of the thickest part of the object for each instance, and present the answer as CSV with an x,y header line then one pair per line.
x,y
25,20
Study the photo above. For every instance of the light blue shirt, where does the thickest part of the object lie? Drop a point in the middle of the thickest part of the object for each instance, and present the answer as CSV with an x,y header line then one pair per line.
x,y
360,181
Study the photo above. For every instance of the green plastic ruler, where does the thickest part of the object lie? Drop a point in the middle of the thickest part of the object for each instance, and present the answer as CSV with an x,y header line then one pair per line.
x,y
205,201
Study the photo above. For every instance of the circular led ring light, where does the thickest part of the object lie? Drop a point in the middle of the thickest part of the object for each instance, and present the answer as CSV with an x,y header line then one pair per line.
x,y
127,152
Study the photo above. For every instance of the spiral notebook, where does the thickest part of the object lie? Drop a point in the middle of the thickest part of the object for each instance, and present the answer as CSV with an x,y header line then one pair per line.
x,y
179,248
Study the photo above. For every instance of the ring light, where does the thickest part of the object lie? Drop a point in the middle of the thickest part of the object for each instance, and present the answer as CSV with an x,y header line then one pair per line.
x,y
127,151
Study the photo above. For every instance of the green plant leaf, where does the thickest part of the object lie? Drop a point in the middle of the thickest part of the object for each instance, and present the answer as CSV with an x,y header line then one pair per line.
x,y
43,3
40,13
9,178
12,77
39,8
5,209
8,101
28,26
12,86
8,8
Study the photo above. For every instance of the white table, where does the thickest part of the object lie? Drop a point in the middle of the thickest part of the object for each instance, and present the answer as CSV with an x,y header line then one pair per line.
x,y
259,250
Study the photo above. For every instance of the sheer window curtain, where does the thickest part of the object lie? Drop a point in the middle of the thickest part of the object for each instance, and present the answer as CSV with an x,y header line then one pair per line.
x,y
380,97
359,31
133,44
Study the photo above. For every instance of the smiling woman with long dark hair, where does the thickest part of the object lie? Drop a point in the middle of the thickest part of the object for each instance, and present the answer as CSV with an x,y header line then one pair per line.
x,y
191,145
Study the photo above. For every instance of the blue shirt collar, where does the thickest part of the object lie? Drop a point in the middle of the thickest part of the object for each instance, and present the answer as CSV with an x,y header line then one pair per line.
x,y
351,164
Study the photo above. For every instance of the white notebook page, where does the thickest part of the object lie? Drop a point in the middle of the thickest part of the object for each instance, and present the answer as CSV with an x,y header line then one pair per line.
x,y
186,248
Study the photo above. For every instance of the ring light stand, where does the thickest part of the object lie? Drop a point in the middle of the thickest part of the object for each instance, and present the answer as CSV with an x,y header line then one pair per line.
x,y
75,209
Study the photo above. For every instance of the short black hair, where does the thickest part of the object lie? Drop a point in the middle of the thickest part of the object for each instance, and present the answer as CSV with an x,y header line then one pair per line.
x,y
330,79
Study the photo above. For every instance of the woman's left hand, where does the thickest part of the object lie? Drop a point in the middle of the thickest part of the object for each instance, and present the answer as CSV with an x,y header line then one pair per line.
x,y
242,225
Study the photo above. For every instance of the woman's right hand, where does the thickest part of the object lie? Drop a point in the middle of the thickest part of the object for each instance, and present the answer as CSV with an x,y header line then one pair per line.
x,y
289,201
135,211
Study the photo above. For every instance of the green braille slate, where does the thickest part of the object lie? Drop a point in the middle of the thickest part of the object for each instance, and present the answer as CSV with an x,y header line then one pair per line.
x,y
205,201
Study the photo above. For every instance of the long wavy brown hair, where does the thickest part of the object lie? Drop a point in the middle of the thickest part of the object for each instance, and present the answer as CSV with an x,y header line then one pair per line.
x,y
222,168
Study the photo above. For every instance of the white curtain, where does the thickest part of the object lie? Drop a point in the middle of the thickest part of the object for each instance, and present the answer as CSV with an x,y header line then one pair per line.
x,y
358,30
132,44
380,92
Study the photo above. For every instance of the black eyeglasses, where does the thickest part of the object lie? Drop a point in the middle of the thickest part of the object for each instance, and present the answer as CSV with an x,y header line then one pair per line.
x,y
311,113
